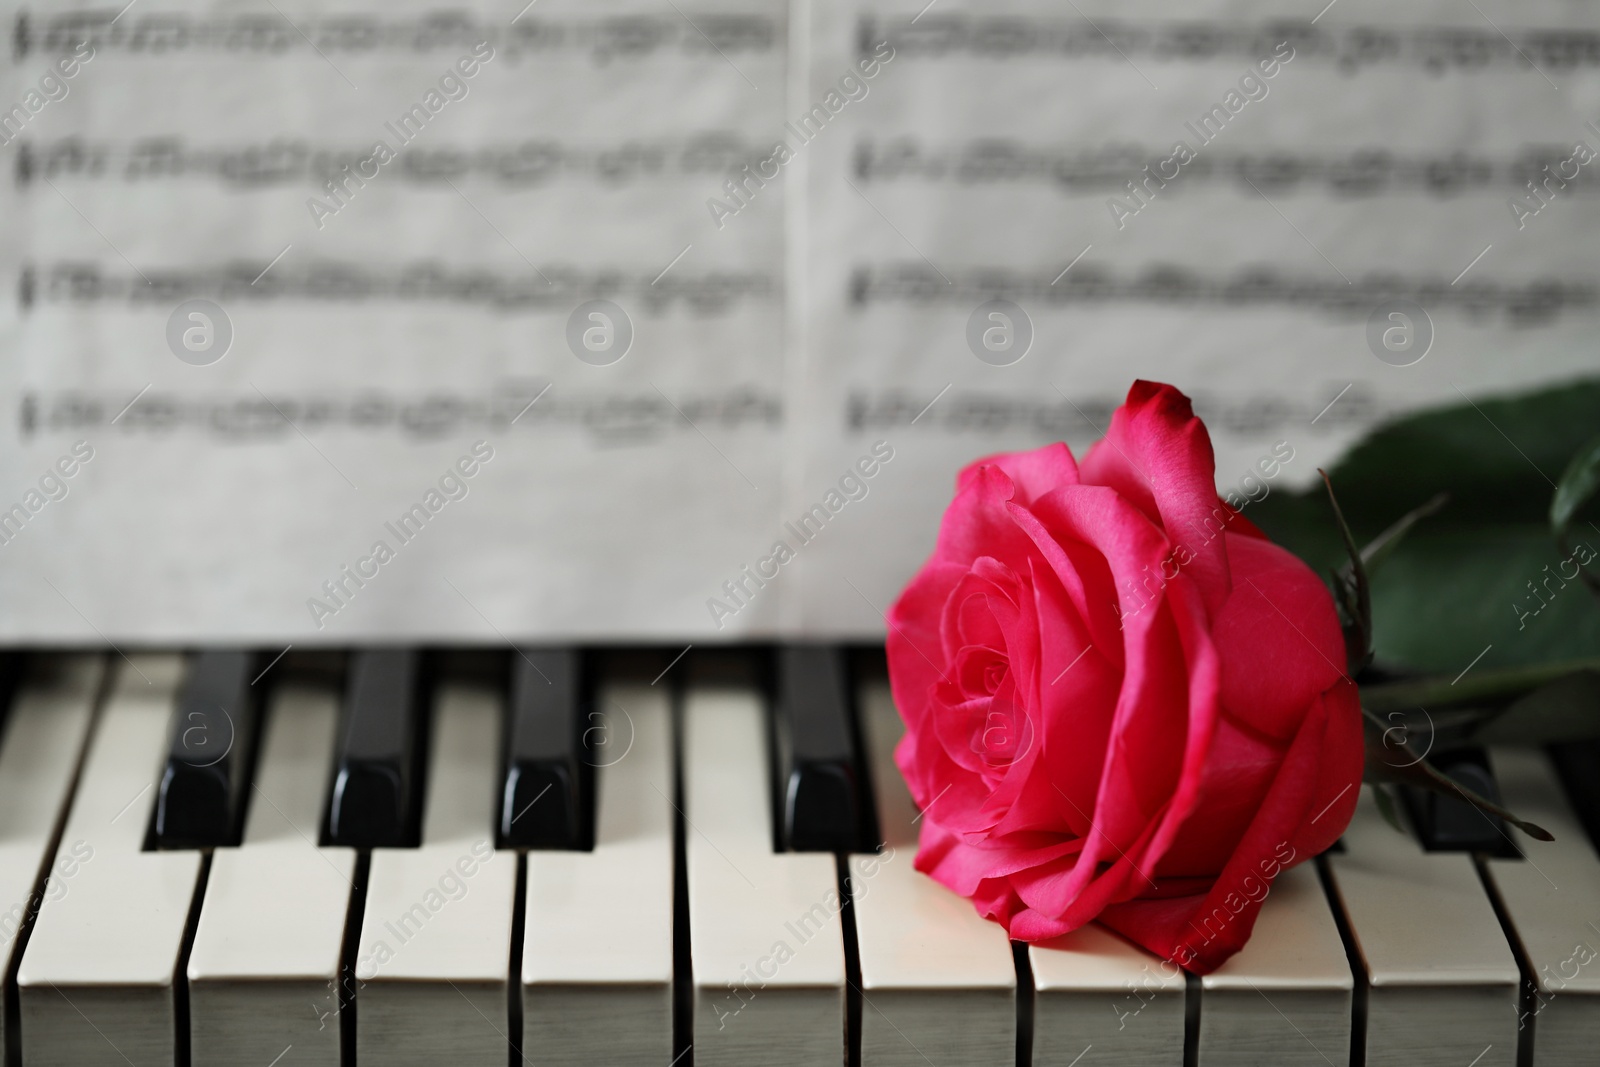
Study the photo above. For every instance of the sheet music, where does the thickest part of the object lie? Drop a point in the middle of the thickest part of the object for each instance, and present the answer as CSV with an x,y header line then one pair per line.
x,y
418,319
1367,153
795,218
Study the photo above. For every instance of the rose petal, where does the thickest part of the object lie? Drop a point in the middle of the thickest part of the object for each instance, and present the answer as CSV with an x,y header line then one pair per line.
x,y
1158,456
1077,700
1034,472
1339,770
1239,770
977,523
1167,706
949,859
1278,637
1202,930
1204,707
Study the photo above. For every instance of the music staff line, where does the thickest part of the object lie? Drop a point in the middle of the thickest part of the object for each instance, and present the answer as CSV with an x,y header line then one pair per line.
x,y
634,36
1083,419
528,163
1356,173
553,288
537,162
617,417
622,417
268,35
1535,302
1433,48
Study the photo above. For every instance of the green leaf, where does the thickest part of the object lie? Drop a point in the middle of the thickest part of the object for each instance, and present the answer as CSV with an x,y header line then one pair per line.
x,y
1496,457
1567,709
1579,485
1485,575
1488,598
1475,687
1382,546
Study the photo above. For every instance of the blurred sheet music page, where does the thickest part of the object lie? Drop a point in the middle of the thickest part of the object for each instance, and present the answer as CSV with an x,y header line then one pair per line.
x,y
387,324
1218,195
629,320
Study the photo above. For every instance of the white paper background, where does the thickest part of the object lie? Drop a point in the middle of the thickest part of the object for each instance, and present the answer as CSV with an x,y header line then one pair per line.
x,y
1259,374
621,502
605,510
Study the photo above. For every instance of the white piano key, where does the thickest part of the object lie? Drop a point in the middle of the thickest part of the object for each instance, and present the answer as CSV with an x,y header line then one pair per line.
x,y
264,969
96,981
1284,1000
764,929
597,945
1443,980
1095,991
44,736
1552,899
936,977
434,955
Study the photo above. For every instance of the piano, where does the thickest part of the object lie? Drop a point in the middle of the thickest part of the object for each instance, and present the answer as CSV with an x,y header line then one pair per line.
x,y
557,856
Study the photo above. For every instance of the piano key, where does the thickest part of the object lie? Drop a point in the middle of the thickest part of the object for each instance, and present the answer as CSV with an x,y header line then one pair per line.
x,y
1551,899
1443,981
434,954
766,941
1578,763
937,979
1094,990
597,944
1285,999
1450,824
201,791
14,666
542,803
821,792
45,731
264,969
373,802
96,981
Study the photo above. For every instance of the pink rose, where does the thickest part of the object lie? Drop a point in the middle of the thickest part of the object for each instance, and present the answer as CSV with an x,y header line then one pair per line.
x,y
1122,701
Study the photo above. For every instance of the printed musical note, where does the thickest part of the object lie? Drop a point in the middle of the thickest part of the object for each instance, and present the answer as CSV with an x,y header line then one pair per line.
x,y
1529,303
612,418
707,293
527,164
1106,168
1436,49
607,39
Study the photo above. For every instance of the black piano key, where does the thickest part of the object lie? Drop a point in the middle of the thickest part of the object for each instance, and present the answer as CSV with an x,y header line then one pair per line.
x,y
13,665
1450,824
1578,765
822,798
542,799
375,785
213,730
